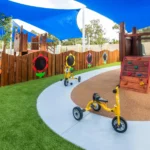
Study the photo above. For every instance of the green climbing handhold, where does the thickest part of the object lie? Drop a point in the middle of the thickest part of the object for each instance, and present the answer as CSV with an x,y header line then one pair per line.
x,y
40,74
135,67
129,62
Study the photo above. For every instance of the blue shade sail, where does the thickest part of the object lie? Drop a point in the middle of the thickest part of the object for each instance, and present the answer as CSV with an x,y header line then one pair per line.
x,y
133,12
62,23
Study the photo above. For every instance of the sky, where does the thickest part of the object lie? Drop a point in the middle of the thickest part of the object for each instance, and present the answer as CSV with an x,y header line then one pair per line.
x,y
69,4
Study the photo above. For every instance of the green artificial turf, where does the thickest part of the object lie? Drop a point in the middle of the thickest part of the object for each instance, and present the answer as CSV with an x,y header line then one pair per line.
x,y
20,126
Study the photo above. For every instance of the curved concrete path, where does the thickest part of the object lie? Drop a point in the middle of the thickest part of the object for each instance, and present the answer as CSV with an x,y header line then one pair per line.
x,y
93,132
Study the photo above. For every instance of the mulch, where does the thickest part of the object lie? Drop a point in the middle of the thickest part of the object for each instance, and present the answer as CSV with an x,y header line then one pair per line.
x,y
134,106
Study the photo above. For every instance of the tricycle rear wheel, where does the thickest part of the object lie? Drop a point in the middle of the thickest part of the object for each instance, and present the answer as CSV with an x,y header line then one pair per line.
x,y
96,107
77,113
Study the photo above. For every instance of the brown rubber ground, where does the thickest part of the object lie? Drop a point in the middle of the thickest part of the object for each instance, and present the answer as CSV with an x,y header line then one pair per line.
x,y
134,106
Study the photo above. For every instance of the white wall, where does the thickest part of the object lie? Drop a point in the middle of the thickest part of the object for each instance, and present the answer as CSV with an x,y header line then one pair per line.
x,y
78,48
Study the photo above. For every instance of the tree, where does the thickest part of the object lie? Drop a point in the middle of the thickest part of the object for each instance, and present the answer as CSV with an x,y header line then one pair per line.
x,y
147,29
5,23
117,28
56,40
114,41
95,32
34,32
72,41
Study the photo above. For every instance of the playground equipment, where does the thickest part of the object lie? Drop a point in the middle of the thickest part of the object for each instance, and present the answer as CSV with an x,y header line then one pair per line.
x,y
135,73
68,74
68,70
119,124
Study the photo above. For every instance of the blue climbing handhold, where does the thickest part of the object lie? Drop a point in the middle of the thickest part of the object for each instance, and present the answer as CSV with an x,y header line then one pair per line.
x,y
139,75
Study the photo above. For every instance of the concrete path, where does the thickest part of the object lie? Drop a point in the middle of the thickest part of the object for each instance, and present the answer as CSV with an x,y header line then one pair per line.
x,y
93,132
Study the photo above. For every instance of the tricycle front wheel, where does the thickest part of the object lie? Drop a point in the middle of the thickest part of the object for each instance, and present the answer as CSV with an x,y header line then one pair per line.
x,y
66,81
119,128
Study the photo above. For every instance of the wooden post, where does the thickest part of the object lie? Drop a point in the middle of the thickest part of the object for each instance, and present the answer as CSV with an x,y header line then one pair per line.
x,y
43,44
122,42
134,47
139,46
35,43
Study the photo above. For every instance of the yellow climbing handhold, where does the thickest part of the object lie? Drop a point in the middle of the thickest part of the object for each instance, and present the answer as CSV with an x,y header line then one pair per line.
x,y
141,83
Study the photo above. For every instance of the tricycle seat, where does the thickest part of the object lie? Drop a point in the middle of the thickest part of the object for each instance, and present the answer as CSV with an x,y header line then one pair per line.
x,y
96,97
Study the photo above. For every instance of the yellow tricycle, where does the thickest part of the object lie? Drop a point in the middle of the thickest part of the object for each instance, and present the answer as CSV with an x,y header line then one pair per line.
x,y
68,75
119,124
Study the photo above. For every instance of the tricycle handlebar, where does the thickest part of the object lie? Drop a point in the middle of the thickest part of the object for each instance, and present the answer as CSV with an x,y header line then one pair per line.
x,y
115,90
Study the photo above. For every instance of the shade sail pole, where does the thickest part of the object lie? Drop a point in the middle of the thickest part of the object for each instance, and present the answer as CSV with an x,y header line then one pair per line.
x,y
83,29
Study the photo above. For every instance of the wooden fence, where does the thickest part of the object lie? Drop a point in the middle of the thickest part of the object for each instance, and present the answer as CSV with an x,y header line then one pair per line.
x,y
15,69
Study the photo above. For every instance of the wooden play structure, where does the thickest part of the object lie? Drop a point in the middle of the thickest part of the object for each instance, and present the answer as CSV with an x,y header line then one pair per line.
x,y
135,67
37,43
135,73
40,43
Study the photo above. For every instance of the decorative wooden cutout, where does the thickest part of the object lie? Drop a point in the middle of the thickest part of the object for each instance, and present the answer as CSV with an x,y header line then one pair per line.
x,y
89,59
105,57
70,60
40,64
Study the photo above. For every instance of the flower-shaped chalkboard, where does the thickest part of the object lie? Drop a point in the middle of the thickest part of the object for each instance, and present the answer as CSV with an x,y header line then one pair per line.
x,y
105,57
89,59
70,61
40,64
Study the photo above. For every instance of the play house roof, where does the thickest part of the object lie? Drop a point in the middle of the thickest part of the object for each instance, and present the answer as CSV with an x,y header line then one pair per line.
x,y
59,22
135,13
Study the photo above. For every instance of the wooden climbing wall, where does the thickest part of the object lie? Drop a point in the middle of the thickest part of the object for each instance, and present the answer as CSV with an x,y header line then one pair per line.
x,y
135,74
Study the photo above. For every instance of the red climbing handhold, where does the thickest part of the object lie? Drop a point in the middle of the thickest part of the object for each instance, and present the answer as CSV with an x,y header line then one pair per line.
x,y
129,73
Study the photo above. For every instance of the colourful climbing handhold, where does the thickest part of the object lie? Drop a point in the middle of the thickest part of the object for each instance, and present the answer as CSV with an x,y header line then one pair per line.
x,y
141,83
129,73
129,62
139,75
135,67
